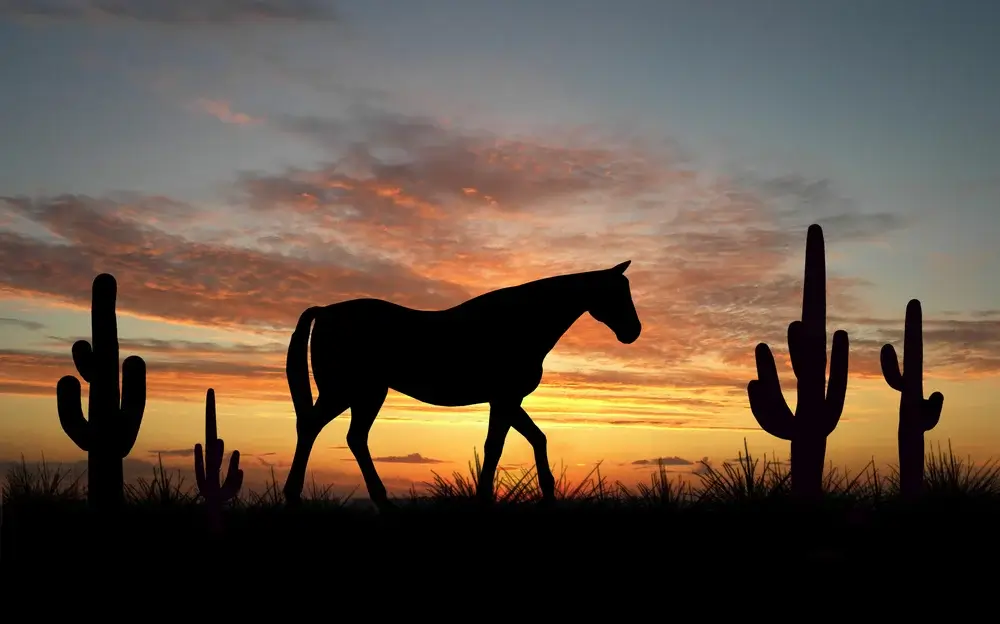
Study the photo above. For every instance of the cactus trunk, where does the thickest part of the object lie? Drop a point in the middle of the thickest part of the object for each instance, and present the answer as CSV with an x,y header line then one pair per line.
x,y
105,480
917,415
104,463
911,462
819,405
808,457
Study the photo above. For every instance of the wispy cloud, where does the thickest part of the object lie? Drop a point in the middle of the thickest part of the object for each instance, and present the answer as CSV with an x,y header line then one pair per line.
x,y
224,112
175,12
189,348
184,452
664,461
412,458
21,323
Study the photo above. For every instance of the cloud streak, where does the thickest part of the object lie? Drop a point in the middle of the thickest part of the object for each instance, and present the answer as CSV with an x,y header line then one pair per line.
x,y
184,452
412,458
172,12
21,324
224,112
664,461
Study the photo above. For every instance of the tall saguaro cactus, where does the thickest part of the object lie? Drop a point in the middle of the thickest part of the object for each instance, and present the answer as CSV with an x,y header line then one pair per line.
x,y
819,407
917,415
208,467
114,414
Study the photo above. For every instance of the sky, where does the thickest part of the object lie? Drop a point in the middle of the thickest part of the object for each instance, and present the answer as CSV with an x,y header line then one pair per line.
x,y
234,162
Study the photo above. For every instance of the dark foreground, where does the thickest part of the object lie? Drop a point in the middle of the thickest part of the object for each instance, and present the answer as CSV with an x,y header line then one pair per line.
x,y
564,538
740,522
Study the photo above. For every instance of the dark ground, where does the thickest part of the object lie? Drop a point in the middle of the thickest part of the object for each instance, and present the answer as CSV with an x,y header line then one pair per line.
x,y
570,536
740,526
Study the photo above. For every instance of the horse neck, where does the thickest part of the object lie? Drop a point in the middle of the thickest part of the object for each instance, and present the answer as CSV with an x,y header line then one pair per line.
x,y
562,306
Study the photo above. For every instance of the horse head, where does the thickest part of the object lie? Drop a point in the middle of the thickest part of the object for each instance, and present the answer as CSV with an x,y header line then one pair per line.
x,y
611,303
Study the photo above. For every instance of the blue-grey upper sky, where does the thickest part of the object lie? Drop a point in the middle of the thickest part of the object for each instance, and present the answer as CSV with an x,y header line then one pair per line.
x,y
234,161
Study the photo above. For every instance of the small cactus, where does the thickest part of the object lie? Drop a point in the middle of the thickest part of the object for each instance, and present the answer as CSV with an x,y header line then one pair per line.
x,y
208,466
112,424
917,415
819,407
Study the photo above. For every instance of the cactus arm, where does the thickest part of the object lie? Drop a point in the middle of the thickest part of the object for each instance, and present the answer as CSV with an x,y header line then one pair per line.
x,y
234,478
836,391
930,410
83,357
199,469
71,412
133,401
890,368
767,403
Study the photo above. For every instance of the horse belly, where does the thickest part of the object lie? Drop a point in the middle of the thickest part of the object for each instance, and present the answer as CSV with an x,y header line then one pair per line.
x,y
439,382
463,383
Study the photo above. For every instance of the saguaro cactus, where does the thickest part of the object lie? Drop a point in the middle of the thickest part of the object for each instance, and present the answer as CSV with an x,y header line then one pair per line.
x,y
208,466
111,427
917,415
819,407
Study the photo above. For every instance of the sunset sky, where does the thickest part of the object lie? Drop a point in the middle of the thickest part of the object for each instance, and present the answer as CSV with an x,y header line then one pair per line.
x,y
231,165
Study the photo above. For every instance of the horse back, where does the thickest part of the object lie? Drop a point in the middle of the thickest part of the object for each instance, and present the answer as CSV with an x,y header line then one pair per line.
x,y
417,352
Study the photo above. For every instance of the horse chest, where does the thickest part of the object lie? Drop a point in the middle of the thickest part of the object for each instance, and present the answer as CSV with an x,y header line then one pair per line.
x,y
524,381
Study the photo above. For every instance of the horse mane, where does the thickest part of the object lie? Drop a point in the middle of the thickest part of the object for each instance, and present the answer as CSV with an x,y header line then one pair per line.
x,y
543,286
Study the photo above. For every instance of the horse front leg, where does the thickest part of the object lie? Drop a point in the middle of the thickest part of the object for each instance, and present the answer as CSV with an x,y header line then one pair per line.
x,y
492,450
522,423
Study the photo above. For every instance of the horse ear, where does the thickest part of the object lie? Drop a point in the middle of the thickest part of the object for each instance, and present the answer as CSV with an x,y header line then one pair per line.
x,y
621,267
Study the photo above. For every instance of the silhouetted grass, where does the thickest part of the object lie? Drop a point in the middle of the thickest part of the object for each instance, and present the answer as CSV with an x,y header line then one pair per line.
x,y
161,490
741,504
45,484
748,480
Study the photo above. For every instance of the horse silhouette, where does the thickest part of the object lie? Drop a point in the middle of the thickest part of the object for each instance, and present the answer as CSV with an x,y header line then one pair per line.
x,y
489,349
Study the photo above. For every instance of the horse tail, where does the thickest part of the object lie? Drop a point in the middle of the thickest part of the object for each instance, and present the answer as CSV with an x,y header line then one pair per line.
x,y
297,372
297,364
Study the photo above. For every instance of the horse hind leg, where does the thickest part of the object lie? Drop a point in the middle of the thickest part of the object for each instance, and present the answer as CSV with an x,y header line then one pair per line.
x,y
522,423
499,425
308,428
364,409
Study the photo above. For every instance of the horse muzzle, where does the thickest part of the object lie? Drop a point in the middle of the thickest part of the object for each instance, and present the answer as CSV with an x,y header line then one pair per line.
x,y
629,336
